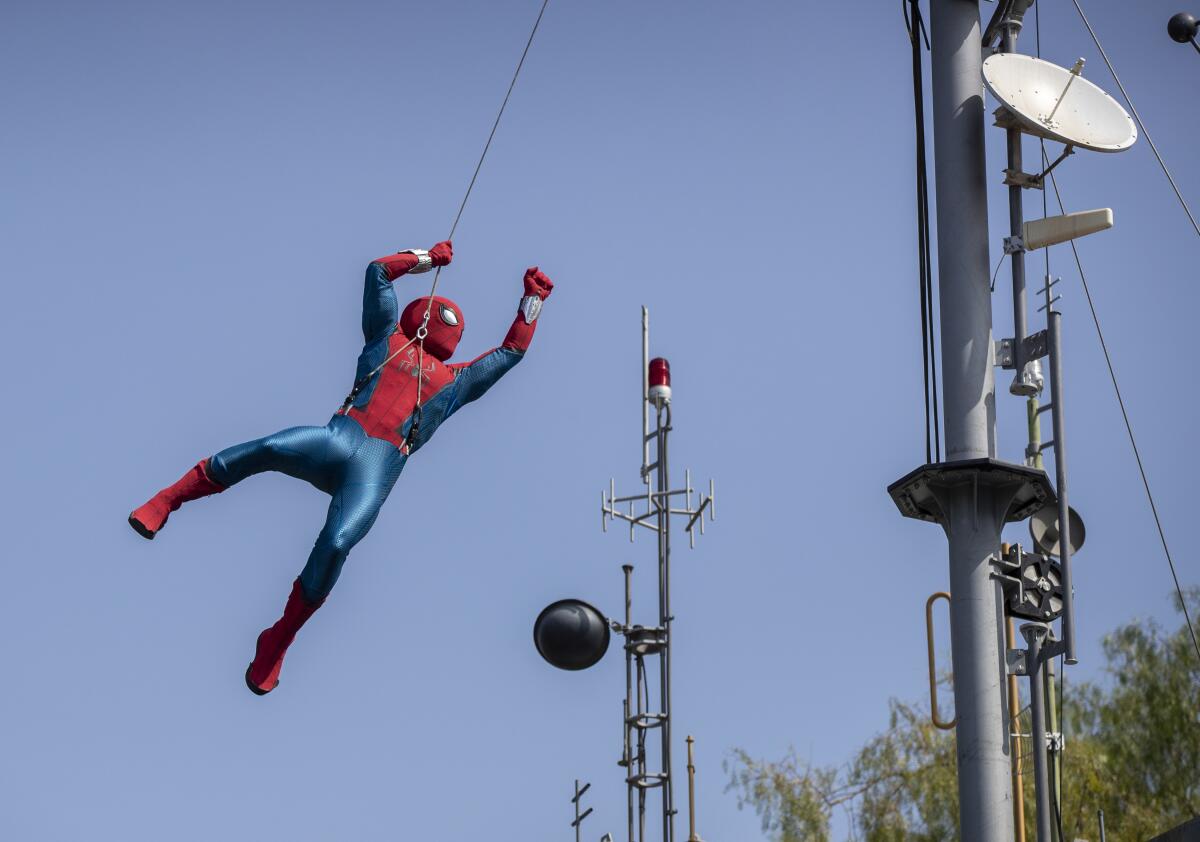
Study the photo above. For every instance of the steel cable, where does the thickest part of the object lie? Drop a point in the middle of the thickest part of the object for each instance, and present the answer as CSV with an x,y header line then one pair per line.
x,y
423,330
486,146
1141,125
1162,537
916,31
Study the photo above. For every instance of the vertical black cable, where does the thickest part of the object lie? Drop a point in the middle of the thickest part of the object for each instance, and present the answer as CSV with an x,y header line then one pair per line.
x,y
916,30
937,435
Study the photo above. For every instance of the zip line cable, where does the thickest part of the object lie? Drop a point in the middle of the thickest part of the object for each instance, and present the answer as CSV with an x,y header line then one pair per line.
x,y
916,31
1129,430
486,146
1141,125
423,330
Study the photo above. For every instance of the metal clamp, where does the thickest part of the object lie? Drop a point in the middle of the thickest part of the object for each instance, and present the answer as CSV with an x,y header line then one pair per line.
x,y
1033,347
1015,662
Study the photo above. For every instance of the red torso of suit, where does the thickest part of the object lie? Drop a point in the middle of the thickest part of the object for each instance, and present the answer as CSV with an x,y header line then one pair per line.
x,y
395,395
419,375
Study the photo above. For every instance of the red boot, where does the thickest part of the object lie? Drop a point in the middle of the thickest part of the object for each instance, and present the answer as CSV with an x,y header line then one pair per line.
x,y
196,483
262,676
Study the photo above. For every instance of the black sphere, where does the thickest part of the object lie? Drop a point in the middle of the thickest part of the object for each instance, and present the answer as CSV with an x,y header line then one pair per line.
x,y
571,634
1183,27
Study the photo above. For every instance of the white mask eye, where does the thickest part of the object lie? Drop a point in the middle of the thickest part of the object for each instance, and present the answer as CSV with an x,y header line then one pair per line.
x,y
448,315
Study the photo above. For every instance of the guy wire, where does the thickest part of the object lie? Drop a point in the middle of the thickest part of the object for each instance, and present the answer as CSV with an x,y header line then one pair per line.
x,y
1141,125
1129,430
486,146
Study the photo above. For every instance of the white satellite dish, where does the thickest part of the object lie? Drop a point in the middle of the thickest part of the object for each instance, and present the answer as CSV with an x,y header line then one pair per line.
x,y
1058,104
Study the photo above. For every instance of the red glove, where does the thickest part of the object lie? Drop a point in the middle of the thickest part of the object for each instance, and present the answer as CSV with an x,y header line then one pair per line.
x,y
442,253
536,283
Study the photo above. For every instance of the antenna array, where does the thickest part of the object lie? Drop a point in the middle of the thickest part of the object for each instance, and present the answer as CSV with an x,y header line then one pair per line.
x,y
572,634
973,494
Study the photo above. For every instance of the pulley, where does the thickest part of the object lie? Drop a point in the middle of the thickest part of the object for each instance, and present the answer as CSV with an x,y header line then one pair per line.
x,y
1033,586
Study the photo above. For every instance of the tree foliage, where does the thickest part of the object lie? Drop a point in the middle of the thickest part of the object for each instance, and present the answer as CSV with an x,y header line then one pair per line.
x,y
1132,750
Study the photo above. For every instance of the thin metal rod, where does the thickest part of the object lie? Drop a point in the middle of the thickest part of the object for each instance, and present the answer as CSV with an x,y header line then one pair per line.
x,y
1014,719
578,821
1054,751
645,395
1016,221
664,597
1060,474
1070,81
1034,635
1040,178
1103,836
627,755
641,755
1033,453
691,767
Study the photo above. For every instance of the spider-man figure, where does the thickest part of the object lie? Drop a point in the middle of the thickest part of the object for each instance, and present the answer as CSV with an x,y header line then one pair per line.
x,y
403,391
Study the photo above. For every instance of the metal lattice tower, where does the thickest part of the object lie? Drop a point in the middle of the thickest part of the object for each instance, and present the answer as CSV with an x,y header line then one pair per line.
x,y
652,509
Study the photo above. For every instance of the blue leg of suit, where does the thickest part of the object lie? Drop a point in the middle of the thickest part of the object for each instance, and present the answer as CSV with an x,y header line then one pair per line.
x,y
356,470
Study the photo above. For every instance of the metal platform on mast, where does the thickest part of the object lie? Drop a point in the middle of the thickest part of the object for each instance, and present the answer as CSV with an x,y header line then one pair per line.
x,y
919,494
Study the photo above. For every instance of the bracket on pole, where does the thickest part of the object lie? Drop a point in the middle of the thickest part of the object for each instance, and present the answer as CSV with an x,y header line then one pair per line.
x,y
917,494
1035,346
1015,663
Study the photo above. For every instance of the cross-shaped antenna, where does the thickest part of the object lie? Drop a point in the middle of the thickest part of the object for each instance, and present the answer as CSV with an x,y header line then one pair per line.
x,y
693,508
579,817
1047,293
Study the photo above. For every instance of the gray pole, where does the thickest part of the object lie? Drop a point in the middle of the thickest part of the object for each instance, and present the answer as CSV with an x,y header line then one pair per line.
x,y
1058,415
974,511
664,590
1016,221
626,727
1035,636
968,388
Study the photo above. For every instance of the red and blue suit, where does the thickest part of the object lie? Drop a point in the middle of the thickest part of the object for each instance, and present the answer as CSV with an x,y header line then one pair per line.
x,y
404,390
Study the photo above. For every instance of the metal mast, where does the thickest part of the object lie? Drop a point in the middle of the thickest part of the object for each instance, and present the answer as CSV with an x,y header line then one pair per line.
x,y
961,190
573,635
975,515
657,503
972,494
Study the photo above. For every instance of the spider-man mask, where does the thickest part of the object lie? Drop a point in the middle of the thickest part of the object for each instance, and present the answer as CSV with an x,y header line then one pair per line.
x,y
445,325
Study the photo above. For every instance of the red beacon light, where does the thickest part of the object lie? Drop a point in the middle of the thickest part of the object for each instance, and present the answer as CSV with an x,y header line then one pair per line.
x,y
660,382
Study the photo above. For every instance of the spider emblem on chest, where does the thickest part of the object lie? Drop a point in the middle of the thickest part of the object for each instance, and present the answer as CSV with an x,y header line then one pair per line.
x,y
409,364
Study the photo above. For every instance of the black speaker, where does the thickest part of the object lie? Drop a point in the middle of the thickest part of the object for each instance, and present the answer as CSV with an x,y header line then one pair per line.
x,y
571,634
1183,27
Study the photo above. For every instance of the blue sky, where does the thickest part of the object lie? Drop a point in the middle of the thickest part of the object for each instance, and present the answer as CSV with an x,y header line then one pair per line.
x,y
192,193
